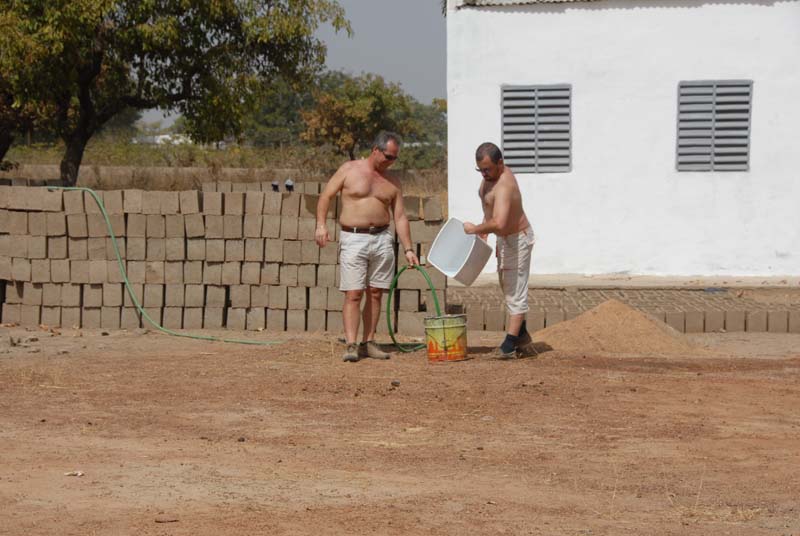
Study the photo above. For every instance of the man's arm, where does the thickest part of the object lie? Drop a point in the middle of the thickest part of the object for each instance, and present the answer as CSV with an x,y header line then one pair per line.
x,y
333,187
403,229
500,213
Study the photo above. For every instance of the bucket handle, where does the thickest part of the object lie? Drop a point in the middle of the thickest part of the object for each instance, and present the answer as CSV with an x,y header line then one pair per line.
x,y
406,348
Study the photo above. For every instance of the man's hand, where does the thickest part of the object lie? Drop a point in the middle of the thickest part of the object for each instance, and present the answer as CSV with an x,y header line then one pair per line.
x,y
412,259
484,236
321,235
470,228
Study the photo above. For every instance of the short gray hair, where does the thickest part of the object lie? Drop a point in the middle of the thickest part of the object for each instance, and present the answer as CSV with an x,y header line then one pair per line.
x,y
384,137
488,149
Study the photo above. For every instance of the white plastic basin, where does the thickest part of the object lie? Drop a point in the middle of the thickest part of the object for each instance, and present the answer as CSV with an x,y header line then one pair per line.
x,y
457,254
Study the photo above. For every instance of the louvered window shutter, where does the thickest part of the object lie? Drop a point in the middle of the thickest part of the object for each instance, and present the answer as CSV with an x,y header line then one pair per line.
x,y
537,128
714,125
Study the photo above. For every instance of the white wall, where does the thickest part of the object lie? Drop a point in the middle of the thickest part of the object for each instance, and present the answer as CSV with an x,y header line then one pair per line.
x,y
623,207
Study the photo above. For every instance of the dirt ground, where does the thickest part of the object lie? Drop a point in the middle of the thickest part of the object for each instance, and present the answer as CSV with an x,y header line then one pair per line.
x,y
184,437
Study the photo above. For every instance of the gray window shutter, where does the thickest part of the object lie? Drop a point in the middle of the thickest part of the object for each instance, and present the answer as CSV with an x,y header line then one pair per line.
x,y
714,125
537,128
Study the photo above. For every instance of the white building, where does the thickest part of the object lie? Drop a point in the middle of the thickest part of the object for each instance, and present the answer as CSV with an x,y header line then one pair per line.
x,y
583,97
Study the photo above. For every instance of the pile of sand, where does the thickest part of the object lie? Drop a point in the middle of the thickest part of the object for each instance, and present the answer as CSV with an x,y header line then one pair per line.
x,y
615,328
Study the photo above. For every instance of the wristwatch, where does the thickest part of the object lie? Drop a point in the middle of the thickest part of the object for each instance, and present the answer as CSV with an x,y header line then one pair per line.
x,y
409,249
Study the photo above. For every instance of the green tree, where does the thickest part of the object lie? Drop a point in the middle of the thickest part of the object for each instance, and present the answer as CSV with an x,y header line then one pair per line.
x,y
206,59
349,114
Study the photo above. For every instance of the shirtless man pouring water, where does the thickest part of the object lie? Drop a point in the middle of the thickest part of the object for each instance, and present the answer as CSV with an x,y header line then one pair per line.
x,y
503,215
366,255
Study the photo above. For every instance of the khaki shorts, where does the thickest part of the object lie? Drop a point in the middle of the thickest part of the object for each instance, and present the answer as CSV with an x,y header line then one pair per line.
x,y
366,260
514,267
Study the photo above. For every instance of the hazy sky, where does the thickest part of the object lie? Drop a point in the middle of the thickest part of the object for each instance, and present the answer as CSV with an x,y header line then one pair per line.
x,y
402,40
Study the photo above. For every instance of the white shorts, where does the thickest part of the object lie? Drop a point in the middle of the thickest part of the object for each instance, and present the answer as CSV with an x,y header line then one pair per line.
x,y
366,260
514,267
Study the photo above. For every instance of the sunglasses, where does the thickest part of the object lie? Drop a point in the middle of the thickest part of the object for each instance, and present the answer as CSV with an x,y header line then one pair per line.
x,y
389,157
483,171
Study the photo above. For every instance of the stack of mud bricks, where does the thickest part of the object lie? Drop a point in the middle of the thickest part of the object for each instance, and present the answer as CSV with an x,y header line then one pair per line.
x,y
238,258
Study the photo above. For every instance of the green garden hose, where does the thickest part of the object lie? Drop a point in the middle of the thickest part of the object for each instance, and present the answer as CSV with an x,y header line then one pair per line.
x,y
130,289
410,347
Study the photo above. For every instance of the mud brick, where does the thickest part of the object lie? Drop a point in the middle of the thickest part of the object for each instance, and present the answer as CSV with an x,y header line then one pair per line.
x,y
296,320
14,291
408,301
411,323
329,255
12,313
423,231
794,321
756,321
278,297
694,321
309,252
78,248
194,226
272,203
130,318
51,295
57,247
259,296
90,203
96,249
676,320
5,268
50,200
271,226
40,271
412,207
213,317
231,273
196,249
112,269
76,226
132,201
214,227
253,224
4,221
136,271
156,249
432,209
56,224
256,319
192,318
18,246
308,206
112,199
110,317
175,226
156,226
307,275
326,275
306,229
15,197
173,273
112,295
234,203
297,298
276,320
51,316
170,202
288,275
254,249
154,272
79,271
273,250
414,280
735,320
290,205
254,203
192,295
20,269
192,272
212,273
234,250
778,321
37,224
59,271
71,317
73,202
151,202
98,271
535,320
30,315
153,295
138,291
335,299
137,226
289,227
175,249
251,273
136,249
315,320
553,315
96,225
122,246
233,226
92,296
173,317
212,203
270,273
154,313
209,187
317,298
240,296
189,201
715,321
70,295
215,250
5,245
426,301
17,223
334,322
292,252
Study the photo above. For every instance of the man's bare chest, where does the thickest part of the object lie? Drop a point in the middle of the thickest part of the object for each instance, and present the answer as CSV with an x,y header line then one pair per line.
x,y
377,188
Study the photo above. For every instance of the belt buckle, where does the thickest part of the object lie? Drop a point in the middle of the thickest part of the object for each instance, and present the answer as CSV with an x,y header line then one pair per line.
x,y
371,229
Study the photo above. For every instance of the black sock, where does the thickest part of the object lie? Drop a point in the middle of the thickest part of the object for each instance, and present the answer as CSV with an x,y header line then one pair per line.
x,y
523,329
510,344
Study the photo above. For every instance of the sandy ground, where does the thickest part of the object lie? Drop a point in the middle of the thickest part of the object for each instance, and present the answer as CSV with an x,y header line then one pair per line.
x,y
182,437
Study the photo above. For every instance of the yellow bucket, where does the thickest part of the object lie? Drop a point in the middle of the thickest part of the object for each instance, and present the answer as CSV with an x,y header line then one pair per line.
x,y
446,338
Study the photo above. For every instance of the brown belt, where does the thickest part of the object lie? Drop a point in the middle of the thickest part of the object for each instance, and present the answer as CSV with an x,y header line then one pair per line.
x,y
367,230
